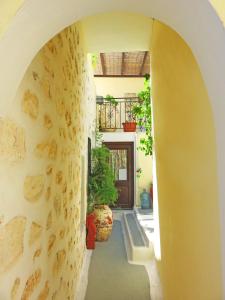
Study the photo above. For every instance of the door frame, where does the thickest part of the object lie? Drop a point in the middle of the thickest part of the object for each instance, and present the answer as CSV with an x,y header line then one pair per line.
x,y
116,144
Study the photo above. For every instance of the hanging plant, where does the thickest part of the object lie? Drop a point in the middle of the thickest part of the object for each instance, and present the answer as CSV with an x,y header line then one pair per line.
x,y
143,114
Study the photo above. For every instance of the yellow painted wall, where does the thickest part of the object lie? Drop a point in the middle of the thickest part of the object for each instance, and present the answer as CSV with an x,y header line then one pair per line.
x,y
219,6
145,163
8,9
43,150
117,31
185,148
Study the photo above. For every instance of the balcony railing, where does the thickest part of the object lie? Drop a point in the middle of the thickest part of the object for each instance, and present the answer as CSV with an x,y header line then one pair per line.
x,y
111,116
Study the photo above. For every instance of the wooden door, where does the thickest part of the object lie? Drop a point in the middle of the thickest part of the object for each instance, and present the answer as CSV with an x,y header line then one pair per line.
x,y
122,161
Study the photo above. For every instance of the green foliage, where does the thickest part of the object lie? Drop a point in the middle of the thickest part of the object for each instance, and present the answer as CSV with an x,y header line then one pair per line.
x,y
143,113
101,185
90,206
111,99
98,138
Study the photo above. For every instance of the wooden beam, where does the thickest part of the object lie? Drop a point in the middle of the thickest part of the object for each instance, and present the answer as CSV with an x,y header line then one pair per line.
x,y
123,63
143,62
102,57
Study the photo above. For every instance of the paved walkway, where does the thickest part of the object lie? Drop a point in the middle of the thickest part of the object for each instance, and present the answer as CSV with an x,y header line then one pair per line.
x,y
111,277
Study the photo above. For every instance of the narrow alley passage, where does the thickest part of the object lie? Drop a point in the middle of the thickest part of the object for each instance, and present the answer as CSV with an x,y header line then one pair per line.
x,y
110,274
112,104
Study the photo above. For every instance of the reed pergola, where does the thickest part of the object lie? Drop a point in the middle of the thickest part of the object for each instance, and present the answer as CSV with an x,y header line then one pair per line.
x,y
122,64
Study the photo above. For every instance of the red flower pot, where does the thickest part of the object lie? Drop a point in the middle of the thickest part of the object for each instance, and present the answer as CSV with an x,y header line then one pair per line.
x,y
129,126
91,231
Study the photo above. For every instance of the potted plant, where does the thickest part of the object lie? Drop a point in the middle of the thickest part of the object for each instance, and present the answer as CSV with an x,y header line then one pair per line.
x,y
102,191
90,225
129,126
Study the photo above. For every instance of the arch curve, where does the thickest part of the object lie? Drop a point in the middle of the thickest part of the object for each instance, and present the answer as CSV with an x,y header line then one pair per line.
x,y
196,21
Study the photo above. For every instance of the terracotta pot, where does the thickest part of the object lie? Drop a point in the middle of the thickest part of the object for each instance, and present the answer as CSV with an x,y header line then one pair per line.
x,y
103,222
129,126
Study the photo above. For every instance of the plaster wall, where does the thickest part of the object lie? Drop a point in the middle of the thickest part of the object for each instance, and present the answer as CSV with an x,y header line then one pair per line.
x,y
116,32
219,6
43,150
8,8
186,164
117,87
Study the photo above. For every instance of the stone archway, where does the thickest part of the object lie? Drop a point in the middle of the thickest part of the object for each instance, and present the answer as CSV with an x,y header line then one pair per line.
x,y
36,23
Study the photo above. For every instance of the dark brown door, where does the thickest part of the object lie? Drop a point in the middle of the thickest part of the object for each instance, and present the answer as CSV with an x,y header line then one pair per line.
x,y
122,161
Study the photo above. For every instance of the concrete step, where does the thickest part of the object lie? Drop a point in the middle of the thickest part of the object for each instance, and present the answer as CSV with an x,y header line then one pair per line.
x,y
138,247
146,221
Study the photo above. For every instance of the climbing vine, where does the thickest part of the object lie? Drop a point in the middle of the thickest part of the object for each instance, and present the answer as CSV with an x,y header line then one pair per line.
x,y
143,114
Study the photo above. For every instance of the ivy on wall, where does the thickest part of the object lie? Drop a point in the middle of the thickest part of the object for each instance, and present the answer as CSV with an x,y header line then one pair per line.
x,y
143,114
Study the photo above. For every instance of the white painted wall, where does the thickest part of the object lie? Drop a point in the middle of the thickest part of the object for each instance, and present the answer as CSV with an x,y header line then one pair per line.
x,y
195,21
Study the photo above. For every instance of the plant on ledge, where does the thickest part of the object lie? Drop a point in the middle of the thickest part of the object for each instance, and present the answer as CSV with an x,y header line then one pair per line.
x,y
143,113
130,124
111,100
102,191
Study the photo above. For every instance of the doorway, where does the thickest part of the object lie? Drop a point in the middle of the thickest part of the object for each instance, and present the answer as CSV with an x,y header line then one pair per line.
x,y
122,161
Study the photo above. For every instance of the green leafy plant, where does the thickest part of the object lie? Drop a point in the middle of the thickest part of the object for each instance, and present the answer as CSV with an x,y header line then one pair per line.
x,y
101,186
98,138
111,99
90,206
143,114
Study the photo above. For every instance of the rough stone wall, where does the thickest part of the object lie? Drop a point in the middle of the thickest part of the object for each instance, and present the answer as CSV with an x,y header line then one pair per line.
x,y
43,142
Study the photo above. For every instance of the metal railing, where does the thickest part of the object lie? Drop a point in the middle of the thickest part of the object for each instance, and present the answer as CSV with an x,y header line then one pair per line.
x,y
112,115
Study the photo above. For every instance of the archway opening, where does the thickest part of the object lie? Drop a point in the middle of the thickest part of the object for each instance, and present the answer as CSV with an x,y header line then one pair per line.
x,y
186,84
